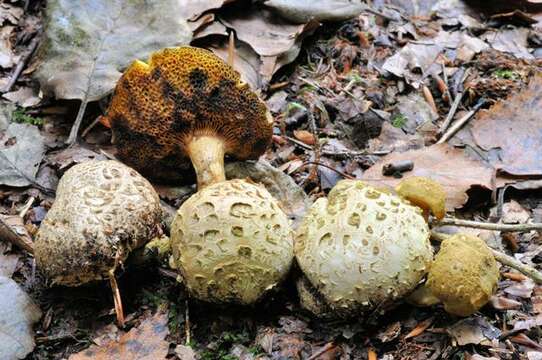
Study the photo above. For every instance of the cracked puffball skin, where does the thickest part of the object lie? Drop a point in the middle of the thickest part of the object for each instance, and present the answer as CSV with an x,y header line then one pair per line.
x,y
464,274
361,248
102,211
231,242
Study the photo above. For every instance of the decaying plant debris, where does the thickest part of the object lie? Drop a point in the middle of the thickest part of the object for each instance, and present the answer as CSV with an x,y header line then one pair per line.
x,y
379,91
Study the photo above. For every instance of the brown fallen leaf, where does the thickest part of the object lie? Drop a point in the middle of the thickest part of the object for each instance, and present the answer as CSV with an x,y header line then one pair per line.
x,y
145,342
420,328
305,136
513,125
526,341
13,230
277,41
371,355
504,303
448,166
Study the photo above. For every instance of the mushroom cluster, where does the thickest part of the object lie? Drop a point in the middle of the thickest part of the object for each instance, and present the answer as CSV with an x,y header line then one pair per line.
x,y
231,241
360,248
103,210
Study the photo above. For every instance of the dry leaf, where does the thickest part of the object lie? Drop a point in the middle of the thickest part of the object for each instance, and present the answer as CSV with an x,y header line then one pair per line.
x,y
20,155
88,43
420,328
17,315
302,11
449,166
526,341
192,9
24,97
537,300
475,330
275,40
305,136
504,303
12,229
144,342
513,126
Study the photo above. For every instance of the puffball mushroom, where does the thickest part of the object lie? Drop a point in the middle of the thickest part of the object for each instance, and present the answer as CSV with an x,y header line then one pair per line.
x,y
231,242
361,248
464,274
186,106
102,211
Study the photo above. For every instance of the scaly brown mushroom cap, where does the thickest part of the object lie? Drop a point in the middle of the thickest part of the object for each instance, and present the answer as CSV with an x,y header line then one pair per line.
x,y
231,242
186,104
102,211
361,248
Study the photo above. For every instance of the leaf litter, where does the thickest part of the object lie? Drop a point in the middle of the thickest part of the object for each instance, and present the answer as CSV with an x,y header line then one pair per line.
x,y
352,87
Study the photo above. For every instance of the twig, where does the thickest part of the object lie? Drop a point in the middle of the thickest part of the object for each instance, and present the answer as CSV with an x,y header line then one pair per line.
x,y
317,163
518,265
322,351
187,323
91,126
231,49
459,123
26,207
503,259
299,143
490,226
22,62
451,113
9,234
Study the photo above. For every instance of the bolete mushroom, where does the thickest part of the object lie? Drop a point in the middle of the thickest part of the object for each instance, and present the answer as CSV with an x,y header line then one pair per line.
x,y
361,249
231,242
464,274
102,211
186,106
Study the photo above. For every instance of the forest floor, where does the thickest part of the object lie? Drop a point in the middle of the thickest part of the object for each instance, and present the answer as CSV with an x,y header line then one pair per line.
x,y
362,93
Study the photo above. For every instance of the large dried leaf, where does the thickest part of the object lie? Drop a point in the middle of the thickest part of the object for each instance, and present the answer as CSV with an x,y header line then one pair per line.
x,y
302,11
192,9
277,41
442,163
17,314
145,342
21,152
514,126
88,43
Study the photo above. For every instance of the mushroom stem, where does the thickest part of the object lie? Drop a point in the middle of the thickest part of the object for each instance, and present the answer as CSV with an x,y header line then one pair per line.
x,y
207,156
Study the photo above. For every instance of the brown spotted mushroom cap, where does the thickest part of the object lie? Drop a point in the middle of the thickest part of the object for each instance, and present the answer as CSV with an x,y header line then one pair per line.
x,y
231,242
181,94
361,248
102,210
464,274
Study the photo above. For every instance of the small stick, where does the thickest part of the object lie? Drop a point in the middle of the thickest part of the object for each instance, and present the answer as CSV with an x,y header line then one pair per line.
x,y
22,62
397,167
490,226
459,123
322,351
7,233
26,207
187,323
451,113
504,259
91,126
429,98
231,49
317,163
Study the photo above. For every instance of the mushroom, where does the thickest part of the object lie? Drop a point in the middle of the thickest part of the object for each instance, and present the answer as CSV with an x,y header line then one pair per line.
x,y
361,249
231,242
186,105
464,274
102,211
